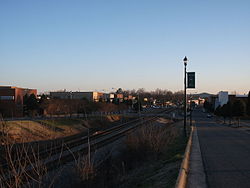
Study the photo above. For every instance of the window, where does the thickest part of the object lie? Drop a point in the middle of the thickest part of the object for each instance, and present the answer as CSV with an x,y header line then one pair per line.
x,y
6,97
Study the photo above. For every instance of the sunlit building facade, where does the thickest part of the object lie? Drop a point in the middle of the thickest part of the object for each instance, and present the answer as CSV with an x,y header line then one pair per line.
x,y
11,100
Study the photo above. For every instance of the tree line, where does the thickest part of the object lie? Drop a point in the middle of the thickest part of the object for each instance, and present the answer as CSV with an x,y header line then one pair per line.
x,y
161,95
44,106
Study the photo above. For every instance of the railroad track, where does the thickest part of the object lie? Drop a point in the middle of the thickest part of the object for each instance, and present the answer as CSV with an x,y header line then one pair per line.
x,y
66,150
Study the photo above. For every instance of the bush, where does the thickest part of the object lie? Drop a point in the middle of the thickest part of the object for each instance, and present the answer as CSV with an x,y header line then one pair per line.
x,y
148,141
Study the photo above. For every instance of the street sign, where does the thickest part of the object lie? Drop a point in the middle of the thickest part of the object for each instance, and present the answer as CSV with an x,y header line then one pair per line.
x,y
191,80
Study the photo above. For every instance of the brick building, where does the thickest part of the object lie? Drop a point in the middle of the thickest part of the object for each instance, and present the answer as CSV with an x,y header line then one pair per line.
x,y
11,100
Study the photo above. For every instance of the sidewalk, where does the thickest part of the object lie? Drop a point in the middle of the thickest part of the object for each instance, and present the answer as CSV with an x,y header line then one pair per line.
x,y
196,174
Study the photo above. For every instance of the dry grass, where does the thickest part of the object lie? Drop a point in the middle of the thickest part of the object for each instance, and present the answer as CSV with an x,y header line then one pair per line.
x,y
24,168
29,131
113,118
85,168
21,165
153,156
92,171
150,140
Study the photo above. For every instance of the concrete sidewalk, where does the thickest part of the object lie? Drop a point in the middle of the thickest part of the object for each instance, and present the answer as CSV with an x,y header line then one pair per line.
x,y
196,174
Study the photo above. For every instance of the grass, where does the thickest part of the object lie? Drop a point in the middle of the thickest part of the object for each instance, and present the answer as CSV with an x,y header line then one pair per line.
x,y
162,172
62,122
176,150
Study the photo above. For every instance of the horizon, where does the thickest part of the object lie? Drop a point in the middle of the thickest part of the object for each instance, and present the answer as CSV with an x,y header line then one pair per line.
x,y
113,90
99,45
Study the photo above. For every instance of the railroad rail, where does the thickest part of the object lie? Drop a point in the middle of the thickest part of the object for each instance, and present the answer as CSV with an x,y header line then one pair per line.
x,y
65,150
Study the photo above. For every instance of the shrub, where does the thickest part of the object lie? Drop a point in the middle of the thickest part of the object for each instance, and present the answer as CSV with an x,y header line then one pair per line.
x,y
148,141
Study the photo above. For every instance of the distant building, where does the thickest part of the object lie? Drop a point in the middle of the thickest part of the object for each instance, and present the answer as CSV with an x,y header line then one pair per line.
x,y
91,96
109,97
243,98
213,99
11,100
219,100
195,98
222,97
130,97
119,97
61,95
197,101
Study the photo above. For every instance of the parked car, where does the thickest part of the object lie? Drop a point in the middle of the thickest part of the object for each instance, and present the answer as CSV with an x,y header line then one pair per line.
x,y
209,116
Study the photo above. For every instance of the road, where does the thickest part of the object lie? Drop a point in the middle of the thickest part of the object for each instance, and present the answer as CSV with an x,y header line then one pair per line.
x,y
225,153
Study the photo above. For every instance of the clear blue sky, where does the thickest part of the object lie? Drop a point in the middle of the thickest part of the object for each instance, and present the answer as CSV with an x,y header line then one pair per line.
x,y
94,45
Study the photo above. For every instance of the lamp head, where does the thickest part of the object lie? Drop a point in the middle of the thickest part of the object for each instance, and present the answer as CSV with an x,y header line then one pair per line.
x,y
185,60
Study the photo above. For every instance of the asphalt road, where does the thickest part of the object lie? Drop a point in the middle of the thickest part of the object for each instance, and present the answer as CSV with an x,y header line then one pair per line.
x,y
225,153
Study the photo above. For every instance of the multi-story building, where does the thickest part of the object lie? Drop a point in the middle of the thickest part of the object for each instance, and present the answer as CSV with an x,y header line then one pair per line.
x,y
219,100
11,100
222,97
91,96
61,95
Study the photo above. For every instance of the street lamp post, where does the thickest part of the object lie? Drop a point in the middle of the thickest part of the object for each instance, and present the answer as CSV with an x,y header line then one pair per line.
x,y
191,110
185,95
139,106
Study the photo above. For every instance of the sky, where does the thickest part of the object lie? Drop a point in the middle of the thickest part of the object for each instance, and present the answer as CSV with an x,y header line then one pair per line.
x,y
92,45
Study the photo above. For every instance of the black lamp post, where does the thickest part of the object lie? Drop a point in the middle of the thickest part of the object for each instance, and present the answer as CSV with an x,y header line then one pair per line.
x,y
191,109
185,60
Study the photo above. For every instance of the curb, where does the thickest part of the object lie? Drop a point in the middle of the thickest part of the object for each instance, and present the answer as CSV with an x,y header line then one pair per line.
x,y
196,174
183,172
